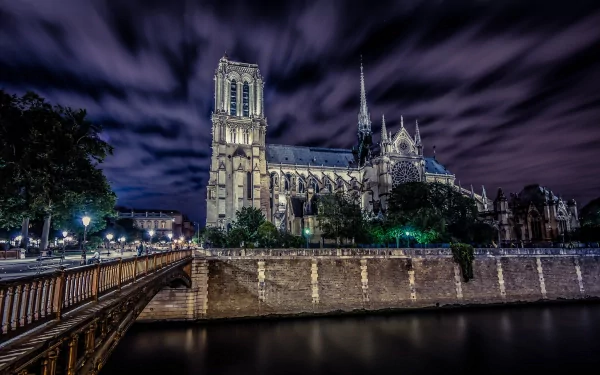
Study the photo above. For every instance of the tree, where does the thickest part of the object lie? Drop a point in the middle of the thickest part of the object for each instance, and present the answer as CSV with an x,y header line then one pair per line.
x,y
431,211
267,234
340,216
216,237
47,153
589,218
246,224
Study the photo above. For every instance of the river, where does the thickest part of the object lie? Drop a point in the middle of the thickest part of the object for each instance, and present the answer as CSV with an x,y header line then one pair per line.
x,y
533,339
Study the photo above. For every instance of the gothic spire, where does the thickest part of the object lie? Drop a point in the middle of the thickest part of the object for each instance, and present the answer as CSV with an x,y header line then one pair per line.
x,y
383,130
484,196
364,120
402,121
472,192
417,134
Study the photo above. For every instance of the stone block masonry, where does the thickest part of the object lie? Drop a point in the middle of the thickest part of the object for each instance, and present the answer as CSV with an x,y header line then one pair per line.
x,y
249,283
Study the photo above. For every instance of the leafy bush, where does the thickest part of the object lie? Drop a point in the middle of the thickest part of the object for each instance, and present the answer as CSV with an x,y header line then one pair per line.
x,y
463,255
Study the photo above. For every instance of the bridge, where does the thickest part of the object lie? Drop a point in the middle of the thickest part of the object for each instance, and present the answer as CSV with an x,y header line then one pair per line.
x,y
69,321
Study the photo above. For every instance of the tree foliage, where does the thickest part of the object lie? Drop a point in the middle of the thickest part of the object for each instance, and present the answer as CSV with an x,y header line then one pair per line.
x,y
245,226
463,254
340,216
48,159
267,234
589,217
434,211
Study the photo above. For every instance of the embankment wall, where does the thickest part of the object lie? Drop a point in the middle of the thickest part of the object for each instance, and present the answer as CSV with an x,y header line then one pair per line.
x,y
248,283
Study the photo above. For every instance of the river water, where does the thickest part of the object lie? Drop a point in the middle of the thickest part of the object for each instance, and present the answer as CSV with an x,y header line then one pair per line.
x,y
534,339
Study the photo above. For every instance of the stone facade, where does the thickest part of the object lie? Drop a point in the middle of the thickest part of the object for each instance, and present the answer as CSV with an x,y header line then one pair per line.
x,y
238,283
286,181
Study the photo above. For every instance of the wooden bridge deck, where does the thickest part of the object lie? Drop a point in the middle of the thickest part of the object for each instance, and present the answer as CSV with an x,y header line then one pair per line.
x,y
54,345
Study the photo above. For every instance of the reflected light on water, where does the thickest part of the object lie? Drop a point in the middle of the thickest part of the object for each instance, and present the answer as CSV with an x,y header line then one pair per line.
x,y
551,338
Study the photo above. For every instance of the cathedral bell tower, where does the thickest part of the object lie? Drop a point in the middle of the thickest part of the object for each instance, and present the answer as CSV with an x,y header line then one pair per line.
x,y
238,172
362,153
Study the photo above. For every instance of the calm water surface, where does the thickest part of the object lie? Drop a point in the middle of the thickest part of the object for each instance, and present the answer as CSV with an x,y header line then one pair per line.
x,y
519,340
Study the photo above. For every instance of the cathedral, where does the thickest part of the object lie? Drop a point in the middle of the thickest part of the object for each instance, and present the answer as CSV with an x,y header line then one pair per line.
x,y
284,181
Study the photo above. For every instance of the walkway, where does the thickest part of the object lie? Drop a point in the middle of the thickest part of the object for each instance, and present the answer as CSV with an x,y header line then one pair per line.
x,y
72,319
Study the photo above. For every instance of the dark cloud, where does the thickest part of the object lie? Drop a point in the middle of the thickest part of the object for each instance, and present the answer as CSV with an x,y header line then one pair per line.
x,y
505,90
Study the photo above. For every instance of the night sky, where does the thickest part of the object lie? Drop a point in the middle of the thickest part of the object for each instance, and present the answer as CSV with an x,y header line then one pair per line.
x,y
507,91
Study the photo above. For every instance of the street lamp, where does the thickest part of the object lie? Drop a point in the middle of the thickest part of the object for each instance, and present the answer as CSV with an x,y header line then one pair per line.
x,y
306,234
64,233
17,240
86,221
122,241
170,235
407,239
109,237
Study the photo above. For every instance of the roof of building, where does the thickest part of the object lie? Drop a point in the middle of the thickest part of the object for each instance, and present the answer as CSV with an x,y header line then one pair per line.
x,y
299,155
434,166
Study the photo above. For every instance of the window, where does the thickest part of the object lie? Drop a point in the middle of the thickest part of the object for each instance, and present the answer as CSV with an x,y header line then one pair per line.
x,y
163,225
315,185
249,184
301,185
246,99
155,224
141,223
233,99
329,185
288,179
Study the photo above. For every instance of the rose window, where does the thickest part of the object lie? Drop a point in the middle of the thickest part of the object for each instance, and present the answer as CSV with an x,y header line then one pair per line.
x,y
404,171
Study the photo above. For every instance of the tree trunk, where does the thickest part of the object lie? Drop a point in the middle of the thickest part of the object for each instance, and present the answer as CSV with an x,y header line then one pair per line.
x,y
25,233
45,233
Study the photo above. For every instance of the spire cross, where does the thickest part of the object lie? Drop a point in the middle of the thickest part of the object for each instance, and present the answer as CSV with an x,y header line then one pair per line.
x,y
417,134
364,122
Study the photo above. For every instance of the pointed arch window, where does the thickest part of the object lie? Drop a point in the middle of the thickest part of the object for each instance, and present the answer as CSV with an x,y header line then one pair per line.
x,y
287,179
301,185
249,185
329,185
314,185
246,99
233,99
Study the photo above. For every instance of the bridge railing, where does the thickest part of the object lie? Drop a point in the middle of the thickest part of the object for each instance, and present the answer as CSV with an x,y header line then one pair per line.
x,y
33,300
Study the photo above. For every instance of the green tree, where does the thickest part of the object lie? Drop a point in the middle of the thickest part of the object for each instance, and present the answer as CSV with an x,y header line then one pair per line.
x,y
340,217
215,237
287,240
432,211
267,234
47,153
246,224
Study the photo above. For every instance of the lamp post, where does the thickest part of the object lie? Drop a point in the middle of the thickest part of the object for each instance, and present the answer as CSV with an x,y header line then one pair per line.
x,y
109,237
122,241
407,239
64,233
86,221
170,235
306,234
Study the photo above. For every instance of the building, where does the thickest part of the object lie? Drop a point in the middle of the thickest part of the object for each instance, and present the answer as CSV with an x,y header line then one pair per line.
x,y
284,181
162,222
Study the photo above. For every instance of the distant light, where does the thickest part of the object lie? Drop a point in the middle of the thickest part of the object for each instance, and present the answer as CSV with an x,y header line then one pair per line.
x,y
109,236
170,235
408,233
65,233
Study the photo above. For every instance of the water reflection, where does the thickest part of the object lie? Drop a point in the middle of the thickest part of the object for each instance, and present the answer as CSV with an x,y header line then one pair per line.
x,y
532,339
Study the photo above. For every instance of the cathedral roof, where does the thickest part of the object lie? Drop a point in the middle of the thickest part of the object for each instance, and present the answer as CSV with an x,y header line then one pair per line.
x,y
299,155
434,166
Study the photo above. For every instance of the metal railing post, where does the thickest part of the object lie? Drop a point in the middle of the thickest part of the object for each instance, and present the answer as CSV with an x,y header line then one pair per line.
x,y
134,268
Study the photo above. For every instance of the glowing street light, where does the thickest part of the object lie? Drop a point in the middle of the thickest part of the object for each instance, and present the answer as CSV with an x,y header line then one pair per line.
x,y
85,221
307,235
122,242
109,237
170,235
65,234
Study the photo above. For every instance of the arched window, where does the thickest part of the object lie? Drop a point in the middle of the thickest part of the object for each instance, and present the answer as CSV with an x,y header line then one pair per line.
x,y
301,185
287,183
163,225
315,185
155,224
329,185
141,223
246,99
233,99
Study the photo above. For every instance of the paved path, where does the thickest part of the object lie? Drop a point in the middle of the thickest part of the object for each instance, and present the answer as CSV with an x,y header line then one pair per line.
x,y
13,268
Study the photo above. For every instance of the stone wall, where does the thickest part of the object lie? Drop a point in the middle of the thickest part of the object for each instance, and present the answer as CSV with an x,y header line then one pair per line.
x,y
258,283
